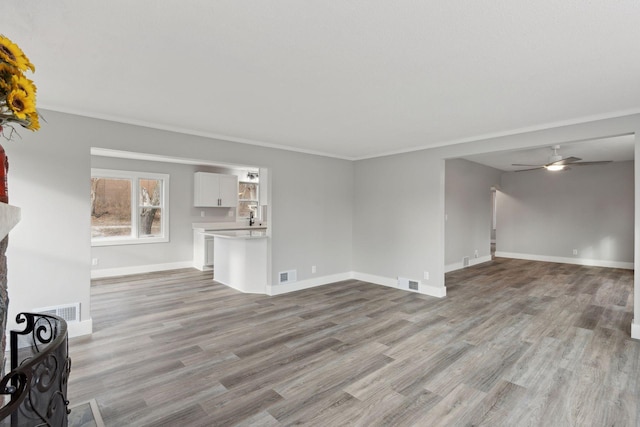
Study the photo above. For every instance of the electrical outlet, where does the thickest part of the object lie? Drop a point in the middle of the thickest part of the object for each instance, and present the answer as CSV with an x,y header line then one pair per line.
x,y
202,214
94,261
575,252
426,275
313,269
475,254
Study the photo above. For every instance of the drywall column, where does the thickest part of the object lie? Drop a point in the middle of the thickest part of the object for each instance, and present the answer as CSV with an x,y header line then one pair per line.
x,y
635,325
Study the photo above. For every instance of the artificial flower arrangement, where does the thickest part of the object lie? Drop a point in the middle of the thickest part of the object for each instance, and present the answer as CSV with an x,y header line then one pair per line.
x,y
17,92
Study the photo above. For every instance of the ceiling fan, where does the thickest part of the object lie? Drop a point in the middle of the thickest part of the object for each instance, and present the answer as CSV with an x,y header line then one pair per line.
x,y
558,163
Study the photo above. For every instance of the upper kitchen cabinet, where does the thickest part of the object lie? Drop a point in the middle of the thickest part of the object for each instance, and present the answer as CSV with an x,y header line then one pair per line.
x,y
215,190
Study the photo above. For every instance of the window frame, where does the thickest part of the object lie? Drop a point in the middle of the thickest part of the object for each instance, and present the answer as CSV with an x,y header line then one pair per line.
x,y
134,177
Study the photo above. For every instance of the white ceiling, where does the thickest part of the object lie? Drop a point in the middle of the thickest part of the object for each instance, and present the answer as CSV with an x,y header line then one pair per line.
x,y
350,79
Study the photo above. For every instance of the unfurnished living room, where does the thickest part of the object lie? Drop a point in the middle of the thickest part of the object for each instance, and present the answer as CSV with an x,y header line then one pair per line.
x,y
285,213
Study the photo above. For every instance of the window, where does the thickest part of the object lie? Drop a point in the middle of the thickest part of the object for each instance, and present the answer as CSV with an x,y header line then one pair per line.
x,y
248,199
128,207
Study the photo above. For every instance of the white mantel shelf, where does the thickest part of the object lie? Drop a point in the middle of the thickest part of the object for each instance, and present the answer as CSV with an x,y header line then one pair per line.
x,y
9,217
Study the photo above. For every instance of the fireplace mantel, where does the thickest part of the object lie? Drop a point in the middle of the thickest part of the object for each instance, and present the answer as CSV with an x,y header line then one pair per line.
x,y
9,217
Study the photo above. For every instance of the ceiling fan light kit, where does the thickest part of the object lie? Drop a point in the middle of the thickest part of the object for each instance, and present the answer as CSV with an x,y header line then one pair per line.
x,y
558,163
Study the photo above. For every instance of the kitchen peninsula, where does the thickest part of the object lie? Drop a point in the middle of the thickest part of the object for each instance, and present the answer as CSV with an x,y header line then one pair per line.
x,y
237,253
240,260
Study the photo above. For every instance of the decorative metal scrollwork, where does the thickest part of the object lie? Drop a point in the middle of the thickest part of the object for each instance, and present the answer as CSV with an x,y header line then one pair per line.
x,y
40,366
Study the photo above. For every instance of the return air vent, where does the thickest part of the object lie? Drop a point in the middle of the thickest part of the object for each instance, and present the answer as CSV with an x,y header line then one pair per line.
x,y
287,276
408,285
69,312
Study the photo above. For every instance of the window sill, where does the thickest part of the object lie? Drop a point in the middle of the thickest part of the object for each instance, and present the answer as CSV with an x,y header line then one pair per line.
x,y
118,242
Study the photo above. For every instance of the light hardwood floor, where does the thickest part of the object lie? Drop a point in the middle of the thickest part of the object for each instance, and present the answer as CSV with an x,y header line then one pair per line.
x,y
514,343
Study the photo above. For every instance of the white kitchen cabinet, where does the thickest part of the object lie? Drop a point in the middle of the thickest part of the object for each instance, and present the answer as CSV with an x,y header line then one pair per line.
x,y
202,251
215,190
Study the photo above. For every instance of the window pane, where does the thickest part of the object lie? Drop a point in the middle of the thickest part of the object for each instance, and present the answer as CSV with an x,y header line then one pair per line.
x,y
248,191
150,222
110,207
245,207
150,192
150,212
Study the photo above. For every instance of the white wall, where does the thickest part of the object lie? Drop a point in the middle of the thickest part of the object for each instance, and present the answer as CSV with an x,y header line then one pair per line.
x,y
468,210
50,254
381,217
399,209
399,218
545,215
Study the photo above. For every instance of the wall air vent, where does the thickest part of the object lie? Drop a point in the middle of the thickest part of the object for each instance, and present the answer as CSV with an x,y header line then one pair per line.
x,y
408,285
287,276
69,312
465,261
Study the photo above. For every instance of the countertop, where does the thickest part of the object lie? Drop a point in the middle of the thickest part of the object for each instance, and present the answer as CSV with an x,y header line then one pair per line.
x,y
214,226
239,234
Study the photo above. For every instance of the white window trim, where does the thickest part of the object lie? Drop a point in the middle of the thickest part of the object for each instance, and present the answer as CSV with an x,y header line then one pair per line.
x,y
135,176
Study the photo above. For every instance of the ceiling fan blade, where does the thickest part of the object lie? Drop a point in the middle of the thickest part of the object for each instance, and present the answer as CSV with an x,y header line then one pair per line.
x,y
567,161
524,170
601,162
520,164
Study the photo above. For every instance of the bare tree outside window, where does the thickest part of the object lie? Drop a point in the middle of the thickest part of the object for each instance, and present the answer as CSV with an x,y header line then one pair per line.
x,y
110,207
248,199
150,209
128,207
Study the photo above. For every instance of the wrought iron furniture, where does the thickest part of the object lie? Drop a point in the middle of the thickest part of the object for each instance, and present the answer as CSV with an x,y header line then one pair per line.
x,y
36,387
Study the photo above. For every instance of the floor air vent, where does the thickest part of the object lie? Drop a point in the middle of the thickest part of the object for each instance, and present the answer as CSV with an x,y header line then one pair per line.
x,y
287,276
69,312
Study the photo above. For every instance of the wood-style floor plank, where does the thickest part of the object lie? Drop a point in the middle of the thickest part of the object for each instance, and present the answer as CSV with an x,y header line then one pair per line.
x,y
514,343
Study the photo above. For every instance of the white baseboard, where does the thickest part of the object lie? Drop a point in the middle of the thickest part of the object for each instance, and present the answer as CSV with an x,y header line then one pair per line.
x,y
434,291
378,280
635,329
566,260
453,267
472,261
138,269
308,283
78,329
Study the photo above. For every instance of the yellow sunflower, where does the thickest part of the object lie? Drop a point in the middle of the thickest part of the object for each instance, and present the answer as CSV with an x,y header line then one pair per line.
x,y
20,82
20,104
8,70
13,55
34,121
4,86
6,73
